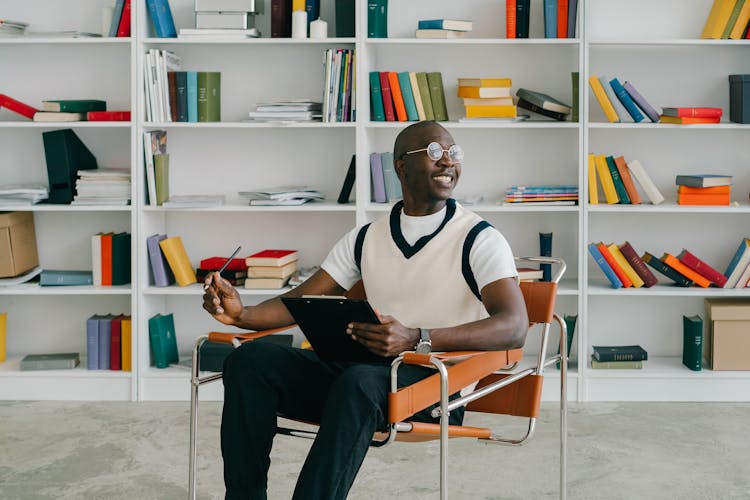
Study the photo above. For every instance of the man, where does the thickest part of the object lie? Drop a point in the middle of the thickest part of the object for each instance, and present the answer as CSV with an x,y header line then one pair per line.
x,y
441,279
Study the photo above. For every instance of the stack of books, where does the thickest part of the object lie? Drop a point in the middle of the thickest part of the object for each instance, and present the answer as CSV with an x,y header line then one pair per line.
x,y
110,258
223,18
542,104
107,186
235,272
339,86
282,195
109,342
690,116
621,102
487,98
618,357
618,179
22,194
298,110
704,189
727,19
542,194
68,110
270,268
407,96
442,28
386,185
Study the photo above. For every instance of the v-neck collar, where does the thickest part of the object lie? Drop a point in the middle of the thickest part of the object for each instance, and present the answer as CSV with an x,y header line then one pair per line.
x,y
398,237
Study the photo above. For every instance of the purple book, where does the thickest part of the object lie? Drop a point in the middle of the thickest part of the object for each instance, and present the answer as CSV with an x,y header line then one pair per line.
x,y
641,102
161,271
378,181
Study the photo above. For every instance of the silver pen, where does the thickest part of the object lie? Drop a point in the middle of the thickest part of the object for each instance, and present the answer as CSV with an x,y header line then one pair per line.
x,y
205,286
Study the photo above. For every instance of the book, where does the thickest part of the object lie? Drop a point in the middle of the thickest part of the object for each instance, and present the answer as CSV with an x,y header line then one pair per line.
x,y
106,258
281,18
65,155
702,268
445,24
692,342
644,180
161,18
574,83
592,185
108,116
161,273
202,274
627,180
550,18
545,250
687,120
260,283
615,365
398,99
216,263
622,194
377,178
619,353
737,6
74,105
283,271
105,340
209,96
179,262
390,177
666,270
703,180
704,199
436,33
485,111
376,98
641,102
92,342
17,106
510,19
529,274
121,258
522,16
572,16
741,24
163,340
626,100
523,103
483,92
622,113
692,112
418,102
115,343
377,18
604,250
51,116
161,177
180,100
605,177
542,100
123,28
346,187
737,265
116,15
601,96
385,92
684,270
604,266
65,277
271,257
633,276
485,82
562,18
638,265
717,18
437,95
126,343
55,361
408,96
344,15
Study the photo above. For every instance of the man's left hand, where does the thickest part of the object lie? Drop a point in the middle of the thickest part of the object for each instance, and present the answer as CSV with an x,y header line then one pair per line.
x,y
389,338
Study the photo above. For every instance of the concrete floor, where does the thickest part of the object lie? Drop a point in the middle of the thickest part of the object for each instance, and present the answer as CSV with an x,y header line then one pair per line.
x,y
112,451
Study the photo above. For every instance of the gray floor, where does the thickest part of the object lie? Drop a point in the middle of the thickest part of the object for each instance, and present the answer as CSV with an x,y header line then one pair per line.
x,y
114,451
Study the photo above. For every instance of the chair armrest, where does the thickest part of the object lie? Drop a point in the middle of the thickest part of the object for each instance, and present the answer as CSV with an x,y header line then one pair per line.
x,y
241,338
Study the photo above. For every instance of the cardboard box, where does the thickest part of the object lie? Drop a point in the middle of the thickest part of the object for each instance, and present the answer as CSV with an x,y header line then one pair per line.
x,y
728,334
17,243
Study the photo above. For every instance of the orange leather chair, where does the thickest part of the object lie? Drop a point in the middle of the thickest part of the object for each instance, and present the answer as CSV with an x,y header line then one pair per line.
x,y
502,388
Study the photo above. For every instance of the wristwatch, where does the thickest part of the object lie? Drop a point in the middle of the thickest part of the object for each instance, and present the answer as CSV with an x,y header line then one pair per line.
x,y
424,346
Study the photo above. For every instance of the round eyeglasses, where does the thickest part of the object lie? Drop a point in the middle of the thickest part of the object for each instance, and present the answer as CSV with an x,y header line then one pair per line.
x,y
435,151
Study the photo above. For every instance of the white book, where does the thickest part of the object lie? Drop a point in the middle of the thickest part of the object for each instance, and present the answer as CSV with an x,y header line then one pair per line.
x,y
150,173
336,73
147,88
327,61
229,6
438,33
53,116
96,259
223,20
645,182
155,61
218,33
744,280
281,115
616,103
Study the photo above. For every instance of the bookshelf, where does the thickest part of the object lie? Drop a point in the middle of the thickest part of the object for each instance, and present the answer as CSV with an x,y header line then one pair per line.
x,y
232,155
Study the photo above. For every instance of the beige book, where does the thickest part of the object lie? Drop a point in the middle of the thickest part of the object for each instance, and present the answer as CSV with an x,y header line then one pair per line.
x,y
272,271
51,116
266,282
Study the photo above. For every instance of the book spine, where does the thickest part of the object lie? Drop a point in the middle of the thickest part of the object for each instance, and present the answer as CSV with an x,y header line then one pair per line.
x,y
17,106
126,341
626,100
562,18
622,113
376,98
378,181
550,18
115,345
627,180
398,100
510,19
593,191
622,193
344,16
702,268
575,77
619,356
123,29
424,93
634,278
602,99
346,187
604,266
605,177
522,18
108,116
390,177
717,18
681,268
743,19
281,18
104,342
735,12
545,250
180,114
161,177
665,270
641,102
92,343
178,260
121,258
192,96
572,16
626,283
523,103
209,96
692,342
437,95
385,90
107,259
116,15
312,7
418,103
377,18
408,96
638,265
640,174
161,16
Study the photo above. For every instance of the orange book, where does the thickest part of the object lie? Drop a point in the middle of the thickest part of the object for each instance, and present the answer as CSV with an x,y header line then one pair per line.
x,y
398,98
684,270
510,18
703,199
562,18
614,265
687,120
627,180
706,190
107,259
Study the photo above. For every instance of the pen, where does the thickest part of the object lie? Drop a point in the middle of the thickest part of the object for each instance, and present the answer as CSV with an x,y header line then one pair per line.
x,y
224,266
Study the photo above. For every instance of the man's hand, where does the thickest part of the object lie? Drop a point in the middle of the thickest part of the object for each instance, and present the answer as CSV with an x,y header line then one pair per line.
x,y
221,300
390,338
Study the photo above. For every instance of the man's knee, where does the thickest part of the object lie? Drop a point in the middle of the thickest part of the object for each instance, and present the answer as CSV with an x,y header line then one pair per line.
x,y
249,358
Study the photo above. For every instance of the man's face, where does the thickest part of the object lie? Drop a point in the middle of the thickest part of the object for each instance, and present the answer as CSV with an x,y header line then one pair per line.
x,y
426,179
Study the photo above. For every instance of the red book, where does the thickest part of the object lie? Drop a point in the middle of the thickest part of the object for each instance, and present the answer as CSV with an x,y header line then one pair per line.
x,y
398,99
17,106
614,265
638,265
385,91
271,257
562,18
510,18
702,268
692,112
215,263
123,29
108,116
115,343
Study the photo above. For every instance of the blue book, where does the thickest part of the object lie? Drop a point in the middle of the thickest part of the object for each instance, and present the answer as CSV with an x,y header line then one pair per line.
x,y
626,100
161,17
738,264
312,7
105,336
550,18
445,24
604,265
116,15
390,177
572,14
545,250
641,102
376,98
192,96
92,342
408,96
376,175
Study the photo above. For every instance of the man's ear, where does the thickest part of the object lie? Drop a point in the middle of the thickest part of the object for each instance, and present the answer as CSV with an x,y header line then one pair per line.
x,y
400,166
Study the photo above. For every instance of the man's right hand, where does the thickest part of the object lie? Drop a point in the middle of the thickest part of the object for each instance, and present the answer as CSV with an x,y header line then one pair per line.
x,y
221,300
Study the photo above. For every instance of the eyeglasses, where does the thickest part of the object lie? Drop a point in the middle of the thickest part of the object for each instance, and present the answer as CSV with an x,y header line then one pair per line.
x,y
435,151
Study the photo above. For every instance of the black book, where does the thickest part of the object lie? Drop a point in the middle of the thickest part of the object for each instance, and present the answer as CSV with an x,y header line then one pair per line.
x,y
346,187
619,353
523,103
65,155
522,18
666,270
344,19
227,274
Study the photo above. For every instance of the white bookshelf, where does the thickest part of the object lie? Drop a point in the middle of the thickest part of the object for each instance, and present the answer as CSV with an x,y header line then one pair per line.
x,y
653,51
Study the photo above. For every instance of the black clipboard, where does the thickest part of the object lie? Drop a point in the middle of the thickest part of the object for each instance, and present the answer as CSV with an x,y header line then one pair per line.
x,y
323,320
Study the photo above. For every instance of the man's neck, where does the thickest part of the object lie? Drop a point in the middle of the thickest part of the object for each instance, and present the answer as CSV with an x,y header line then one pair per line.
x,y
415,209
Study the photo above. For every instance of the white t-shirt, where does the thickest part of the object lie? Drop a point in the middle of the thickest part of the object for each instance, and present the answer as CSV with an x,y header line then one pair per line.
x,y
490,258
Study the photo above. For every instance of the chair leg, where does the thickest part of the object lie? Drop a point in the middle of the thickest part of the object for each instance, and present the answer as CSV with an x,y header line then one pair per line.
x,y
194,385
563,408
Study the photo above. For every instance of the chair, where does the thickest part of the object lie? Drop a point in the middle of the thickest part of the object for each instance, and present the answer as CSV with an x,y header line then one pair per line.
x,y
501,389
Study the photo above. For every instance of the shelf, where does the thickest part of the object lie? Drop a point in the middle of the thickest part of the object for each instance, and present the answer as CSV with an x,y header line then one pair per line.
x,y
276,42
57,125
670,207
668,367
601,288
487,208
668,126
247,124
528,124
313,206
678,42
68,208
58,40
34,289
551,42
196,289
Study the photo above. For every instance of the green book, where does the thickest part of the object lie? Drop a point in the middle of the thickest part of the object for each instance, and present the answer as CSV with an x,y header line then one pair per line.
x,y
163,340
65,277
622,193
570,326
344,19
574,111
121,258
424,94
74,105
615,365
377,18
209,96
692,342
161,177
437,95
56,361
732,19
376,98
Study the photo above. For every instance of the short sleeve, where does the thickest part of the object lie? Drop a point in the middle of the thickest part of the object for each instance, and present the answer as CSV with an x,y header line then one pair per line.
x,y
491,258
340,263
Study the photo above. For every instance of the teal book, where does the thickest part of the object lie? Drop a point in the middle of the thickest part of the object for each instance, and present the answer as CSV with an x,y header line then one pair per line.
x,y
622,193
626,100
619,353
74,105
545,250
377,18
192,96
408,96
390,177
376,98
56,361
570,326
65,277
692,342
163,340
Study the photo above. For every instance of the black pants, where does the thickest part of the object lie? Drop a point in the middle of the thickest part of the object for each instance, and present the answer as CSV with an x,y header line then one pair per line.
x,y
348,399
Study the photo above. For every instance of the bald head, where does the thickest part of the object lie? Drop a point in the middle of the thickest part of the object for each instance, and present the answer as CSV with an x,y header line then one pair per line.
x,y
416,136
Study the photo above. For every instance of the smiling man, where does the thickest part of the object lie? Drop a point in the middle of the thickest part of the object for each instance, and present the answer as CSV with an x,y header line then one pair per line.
x,y
441,278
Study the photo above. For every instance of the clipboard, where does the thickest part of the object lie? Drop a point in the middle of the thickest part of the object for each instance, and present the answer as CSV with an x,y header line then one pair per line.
x,y
323,320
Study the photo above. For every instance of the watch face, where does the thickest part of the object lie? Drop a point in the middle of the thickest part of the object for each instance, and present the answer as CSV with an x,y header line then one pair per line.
x,y
424,347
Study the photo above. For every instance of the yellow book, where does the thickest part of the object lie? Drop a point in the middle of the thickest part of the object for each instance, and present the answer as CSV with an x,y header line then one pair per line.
x,y
593,191
742,19
485,82
483,92
417,96
608,186
604,102
507,111
625,265
3,334
488,101
126,344
717,18
178,260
